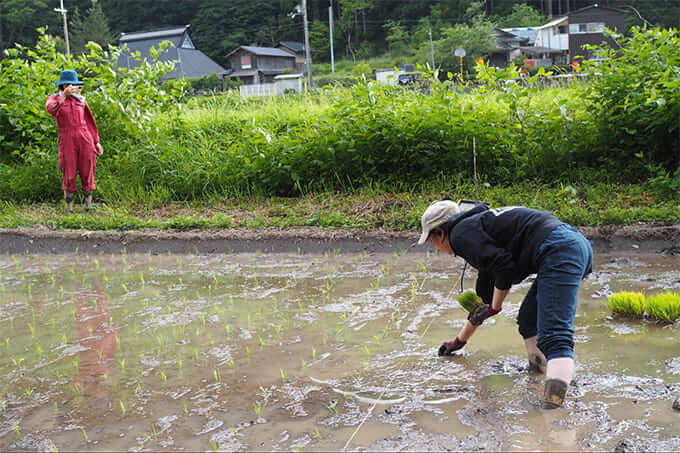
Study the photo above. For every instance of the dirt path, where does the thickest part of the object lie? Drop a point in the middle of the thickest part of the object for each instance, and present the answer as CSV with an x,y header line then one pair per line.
x,y
645,238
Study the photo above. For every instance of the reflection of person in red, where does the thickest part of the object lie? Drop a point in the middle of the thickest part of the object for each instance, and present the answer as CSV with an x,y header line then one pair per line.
x,y
98,336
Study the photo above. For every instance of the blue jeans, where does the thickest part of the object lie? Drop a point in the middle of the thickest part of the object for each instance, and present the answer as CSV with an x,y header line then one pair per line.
x,y
564,259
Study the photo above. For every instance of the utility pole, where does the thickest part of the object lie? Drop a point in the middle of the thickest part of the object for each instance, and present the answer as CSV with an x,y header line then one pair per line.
x,y
330,25
308,53
431,47
63,13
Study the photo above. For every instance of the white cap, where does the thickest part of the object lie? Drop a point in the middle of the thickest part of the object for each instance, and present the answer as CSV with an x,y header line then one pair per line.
x,y
437,213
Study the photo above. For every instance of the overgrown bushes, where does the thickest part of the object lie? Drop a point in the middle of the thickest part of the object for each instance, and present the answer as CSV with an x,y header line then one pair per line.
x,y
335,139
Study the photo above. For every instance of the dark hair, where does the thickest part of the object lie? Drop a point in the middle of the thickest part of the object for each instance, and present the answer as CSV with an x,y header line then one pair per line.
x,y
438,231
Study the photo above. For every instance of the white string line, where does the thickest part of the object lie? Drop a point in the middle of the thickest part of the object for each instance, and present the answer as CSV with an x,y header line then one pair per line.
x,y
389,384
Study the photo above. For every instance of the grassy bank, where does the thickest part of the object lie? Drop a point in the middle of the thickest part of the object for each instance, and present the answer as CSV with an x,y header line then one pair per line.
x,y
366,208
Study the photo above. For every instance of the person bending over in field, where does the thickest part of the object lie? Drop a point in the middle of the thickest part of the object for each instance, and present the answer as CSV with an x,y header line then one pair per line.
x,y
506,245
78,137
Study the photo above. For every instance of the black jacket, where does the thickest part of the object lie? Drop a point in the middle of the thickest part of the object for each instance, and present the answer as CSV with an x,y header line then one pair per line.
x,y
502,243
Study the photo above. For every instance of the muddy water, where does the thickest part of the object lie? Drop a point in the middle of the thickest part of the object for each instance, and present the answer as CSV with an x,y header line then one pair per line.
x,y
313,352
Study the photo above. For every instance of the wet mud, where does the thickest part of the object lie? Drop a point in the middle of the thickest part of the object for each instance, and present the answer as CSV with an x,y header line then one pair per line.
x,y
323,350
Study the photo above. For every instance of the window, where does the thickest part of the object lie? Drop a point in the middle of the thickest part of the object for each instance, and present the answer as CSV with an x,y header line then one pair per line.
x,y
245,62
592,27
563,29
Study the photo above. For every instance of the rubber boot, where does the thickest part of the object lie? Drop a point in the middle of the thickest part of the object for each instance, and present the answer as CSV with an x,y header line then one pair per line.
x,y
68,198
559,373
88,202
555,391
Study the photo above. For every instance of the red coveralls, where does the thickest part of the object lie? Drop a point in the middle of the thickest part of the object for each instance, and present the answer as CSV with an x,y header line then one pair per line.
x,y
78,136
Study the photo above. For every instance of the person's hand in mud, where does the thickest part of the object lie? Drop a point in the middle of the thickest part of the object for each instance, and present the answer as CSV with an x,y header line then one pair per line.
x,y
449,347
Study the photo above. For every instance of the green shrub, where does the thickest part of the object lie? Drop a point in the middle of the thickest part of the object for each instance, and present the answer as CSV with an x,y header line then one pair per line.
x,y
636,100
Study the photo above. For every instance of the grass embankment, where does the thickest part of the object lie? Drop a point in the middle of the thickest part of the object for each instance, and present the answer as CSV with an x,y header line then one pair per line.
x,y
367,208
661,307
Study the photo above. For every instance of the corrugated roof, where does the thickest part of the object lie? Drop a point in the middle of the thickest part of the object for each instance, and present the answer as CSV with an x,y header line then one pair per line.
x,y
295,46
154,34
525,33
264,51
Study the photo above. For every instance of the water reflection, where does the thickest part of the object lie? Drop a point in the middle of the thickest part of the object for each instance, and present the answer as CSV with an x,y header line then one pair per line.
x,y
97,337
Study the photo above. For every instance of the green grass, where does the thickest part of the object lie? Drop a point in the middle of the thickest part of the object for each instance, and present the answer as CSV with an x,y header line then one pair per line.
x,y
661,307
381,206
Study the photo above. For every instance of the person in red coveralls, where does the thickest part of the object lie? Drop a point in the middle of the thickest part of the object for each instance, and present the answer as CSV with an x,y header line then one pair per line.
x,y
78,137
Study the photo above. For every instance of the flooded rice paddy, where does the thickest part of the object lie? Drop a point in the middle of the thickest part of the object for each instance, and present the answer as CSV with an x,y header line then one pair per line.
x,y
330,351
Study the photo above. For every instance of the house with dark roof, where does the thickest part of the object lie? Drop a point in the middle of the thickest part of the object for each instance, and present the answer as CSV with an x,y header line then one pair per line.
x,y
191,62
255,65
507,48
587,25
297,49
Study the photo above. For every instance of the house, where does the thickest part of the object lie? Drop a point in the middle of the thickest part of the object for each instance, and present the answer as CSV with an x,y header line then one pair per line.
x,y
586,26
191,62
254,65
297,49
507,48
551,45
561,40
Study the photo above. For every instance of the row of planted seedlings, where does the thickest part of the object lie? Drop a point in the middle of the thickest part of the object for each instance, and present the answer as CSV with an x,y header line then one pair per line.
x,y
56,328
662,307
135,297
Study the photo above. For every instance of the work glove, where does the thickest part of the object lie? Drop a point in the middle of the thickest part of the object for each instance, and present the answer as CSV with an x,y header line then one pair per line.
x,y
482,312
449,347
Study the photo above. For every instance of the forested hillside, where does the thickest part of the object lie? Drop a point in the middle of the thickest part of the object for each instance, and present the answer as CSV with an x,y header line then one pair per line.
x,y
362,28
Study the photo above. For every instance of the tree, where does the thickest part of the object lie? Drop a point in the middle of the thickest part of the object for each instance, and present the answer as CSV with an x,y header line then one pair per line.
x,y
93,27
319,40
397,38
350,10
523,15
476,38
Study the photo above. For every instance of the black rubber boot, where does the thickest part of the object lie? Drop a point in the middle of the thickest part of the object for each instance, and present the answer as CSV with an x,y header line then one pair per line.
x,y
555,390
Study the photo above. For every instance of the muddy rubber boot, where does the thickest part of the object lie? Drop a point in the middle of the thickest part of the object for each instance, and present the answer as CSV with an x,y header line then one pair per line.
x,y
88,202
555,390
68,198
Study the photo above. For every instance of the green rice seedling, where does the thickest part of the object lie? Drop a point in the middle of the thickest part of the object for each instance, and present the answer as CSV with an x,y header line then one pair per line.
x,y
248,352
469,301
258,409
313,354
123,409
16,431
262,343
216,375
85,435
664,306
214,445
627,303
28,391
303,363
283,375
164,378
186,409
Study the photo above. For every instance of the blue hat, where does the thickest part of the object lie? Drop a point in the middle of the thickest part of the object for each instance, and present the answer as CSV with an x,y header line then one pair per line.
x,y
68,77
